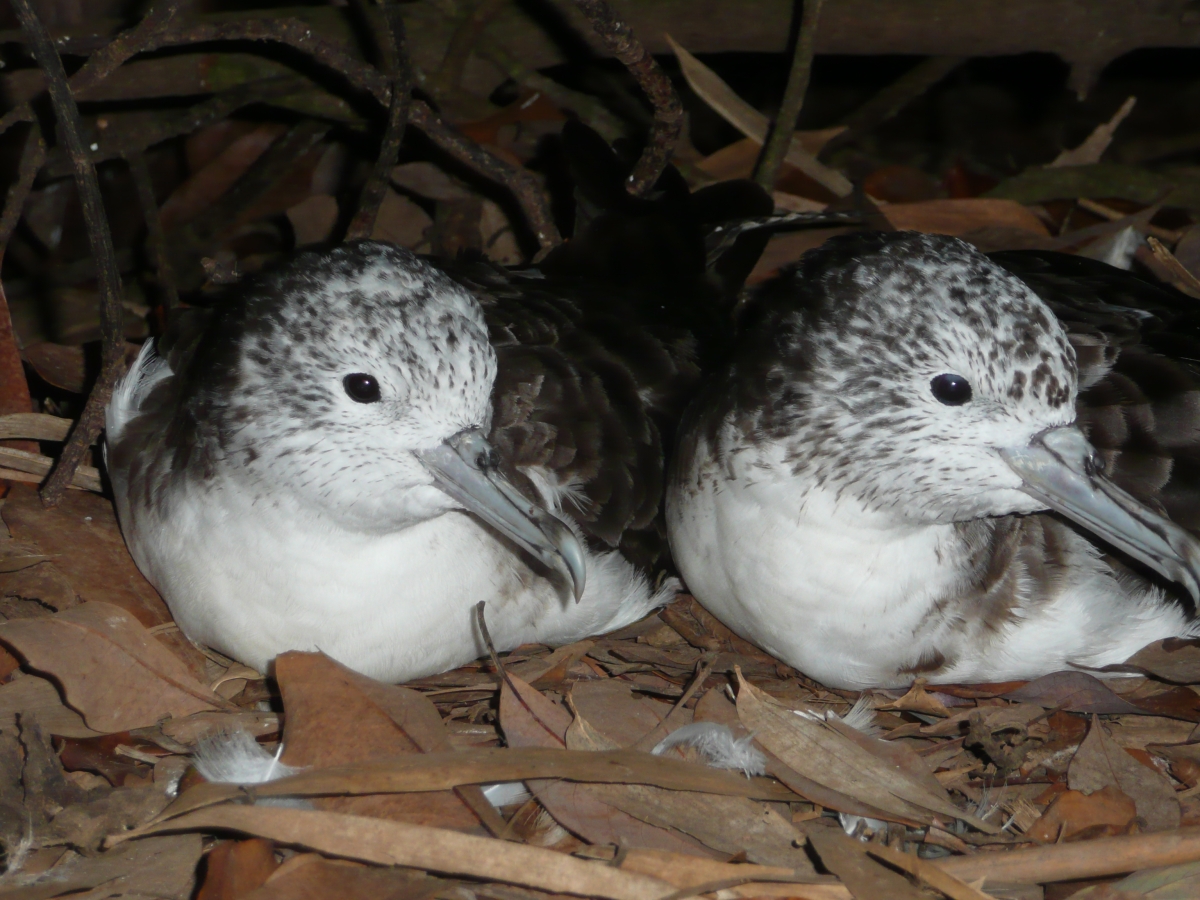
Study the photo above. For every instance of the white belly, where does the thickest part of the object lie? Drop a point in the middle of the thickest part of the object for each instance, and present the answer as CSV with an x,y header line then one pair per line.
x,y
854,601
253,581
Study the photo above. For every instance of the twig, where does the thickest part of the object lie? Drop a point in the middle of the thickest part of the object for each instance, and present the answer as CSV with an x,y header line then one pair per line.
x,y
521,182
32,157
893,98
154,231
294,33
107,59
779,140
396,60
619,39
109,278
703,670
481,618
1086,859
138,138
14,388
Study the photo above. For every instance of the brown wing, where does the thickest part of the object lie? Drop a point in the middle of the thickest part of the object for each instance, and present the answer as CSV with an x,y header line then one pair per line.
x,y
1138,345
588,389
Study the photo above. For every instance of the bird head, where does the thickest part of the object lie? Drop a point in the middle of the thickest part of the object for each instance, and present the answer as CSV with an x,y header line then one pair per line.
x,y
912,373
359,380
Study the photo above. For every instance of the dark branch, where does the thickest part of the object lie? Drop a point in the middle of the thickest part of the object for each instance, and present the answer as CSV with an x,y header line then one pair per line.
x,y
396,58
108,275
775,148
619,39
521,182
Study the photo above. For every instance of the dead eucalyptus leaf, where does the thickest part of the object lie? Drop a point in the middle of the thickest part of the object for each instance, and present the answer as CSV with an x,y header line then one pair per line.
x,y
419,846
142,683
1100,762
815,750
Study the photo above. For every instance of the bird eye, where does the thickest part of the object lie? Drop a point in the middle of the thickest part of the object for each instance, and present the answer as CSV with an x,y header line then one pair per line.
x,y
361,388
953,390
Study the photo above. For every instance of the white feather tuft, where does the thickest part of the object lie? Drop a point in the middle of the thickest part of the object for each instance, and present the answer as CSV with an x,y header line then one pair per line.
x,y
718,746
861,827
235,757
861,717
506,793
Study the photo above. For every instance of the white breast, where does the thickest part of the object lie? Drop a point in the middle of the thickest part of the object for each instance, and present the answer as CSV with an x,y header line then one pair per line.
x,y
254,577
854,600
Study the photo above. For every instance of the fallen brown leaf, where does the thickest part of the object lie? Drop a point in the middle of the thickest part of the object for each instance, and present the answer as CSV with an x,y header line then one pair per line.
x,y
311,877
142,681
532,720
440,850
235,868
1103,813
82,537
868,880
1100,762
959,217
336,716
815,750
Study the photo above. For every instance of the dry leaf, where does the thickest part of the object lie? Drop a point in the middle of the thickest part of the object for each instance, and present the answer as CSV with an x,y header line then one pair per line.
x,y
440,850
1103,813
1175,660
336,716
235,868
868,880
918,700
729,824
962,216
533,721
818,752
313,218
1100,762
38,697
83,539
402,222
159,867
1097,142
749,121
1073,692
141,683
311,877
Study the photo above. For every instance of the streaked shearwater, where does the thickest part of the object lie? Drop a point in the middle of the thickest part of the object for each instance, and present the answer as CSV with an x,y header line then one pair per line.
x,y
893,477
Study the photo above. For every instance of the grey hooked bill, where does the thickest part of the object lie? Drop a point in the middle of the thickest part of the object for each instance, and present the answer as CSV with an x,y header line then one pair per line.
x,y
466,468
1063,470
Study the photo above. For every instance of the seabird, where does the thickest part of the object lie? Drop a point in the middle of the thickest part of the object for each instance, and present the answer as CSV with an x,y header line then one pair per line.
x,y
892,477
355,449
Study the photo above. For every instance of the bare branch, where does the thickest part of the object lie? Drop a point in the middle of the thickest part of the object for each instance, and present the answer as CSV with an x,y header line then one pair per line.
x,y
396,57
619,39
109,277
775,148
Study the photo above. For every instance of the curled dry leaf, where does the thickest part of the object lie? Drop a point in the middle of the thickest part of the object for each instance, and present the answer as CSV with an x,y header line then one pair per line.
x,y
142,683
434,849
1074,814
729,824
531,720
817,751
962,216
847,859
336,716
1100,762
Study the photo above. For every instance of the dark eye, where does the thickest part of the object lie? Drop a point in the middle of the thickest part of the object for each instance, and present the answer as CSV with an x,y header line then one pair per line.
x,y
361,388
953,390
